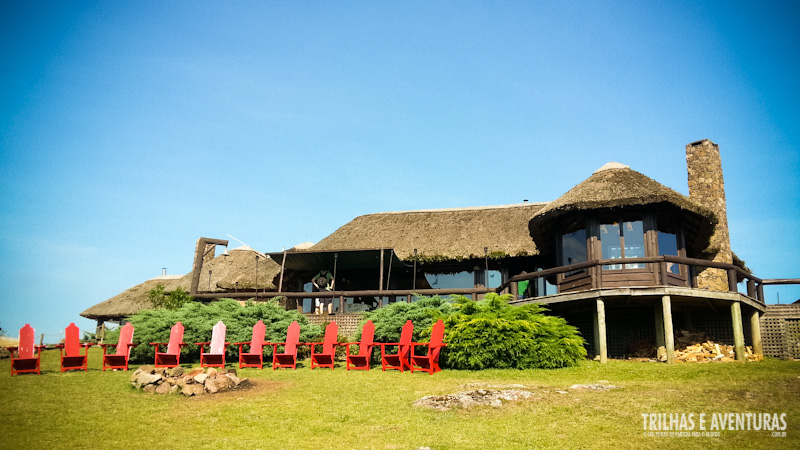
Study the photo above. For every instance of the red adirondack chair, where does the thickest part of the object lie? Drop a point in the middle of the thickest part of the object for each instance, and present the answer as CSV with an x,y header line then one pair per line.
x,y
399,360
119,360
361,360
26,361
325,357
289,356
171,358
429,362
216,355
255,357
71,357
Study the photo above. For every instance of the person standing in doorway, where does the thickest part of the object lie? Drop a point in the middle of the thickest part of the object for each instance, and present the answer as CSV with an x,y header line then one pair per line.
x,y
323,282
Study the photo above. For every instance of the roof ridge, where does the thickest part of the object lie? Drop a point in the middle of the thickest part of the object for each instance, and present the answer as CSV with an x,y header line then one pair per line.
x,y
468,208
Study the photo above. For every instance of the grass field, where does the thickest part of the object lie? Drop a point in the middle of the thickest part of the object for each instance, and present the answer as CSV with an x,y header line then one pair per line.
x,y
354,410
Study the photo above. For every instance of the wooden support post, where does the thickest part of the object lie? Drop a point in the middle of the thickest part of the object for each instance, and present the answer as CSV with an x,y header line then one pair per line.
x,y
600,343
380,281
755,332
342,304
738,331
760,292
732,280
514,285
283,268
98,331
669,336
751,288
660,342
408,298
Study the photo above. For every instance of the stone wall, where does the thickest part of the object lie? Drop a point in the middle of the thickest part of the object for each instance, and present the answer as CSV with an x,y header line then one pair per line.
x,y
706,187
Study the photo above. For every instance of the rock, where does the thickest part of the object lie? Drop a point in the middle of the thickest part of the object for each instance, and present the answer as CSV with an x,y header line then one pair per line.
x,y
231,371
192,389
163,388
200,378
174,389
211,386
135,376
161,371
146,379
193,373
594,387
233,378
150,388
148,368
176,371
181,382
212,373
468,399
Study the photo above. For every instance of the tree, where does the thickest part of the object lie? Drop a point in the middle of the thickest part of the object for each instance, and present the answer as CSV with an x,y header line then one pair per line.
x,y
172,300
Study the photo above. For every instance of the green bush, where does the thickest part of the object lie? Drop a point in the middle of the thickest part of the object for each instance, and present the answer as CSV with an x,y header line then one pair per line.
x,y
174,300
390,320
198,319
492,334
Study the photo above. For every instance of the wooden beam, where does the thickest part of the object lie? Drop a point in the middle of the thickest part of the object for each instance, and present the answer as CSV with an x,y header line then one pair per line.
x,y
199,253
738,331
283,268
755,332
669,336
600,341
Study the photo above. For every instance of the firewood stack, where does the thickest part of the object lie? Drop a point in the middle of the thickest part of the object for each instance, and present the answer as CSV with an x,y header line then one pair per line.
x,y
690,346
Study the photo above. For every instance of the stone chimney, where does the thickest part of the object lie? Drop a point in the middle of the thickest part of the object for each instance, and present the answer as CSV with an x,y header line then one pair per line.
x,y
707,188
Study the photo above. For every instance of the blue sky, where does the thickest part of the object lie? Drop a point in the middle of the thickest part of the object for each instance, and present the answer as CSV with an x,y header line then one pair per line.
x,y
130,129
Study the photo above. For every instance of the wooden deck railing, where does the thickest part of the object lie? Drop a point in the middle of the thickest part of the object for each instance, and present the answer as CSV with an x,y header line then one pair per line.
x,y
755,285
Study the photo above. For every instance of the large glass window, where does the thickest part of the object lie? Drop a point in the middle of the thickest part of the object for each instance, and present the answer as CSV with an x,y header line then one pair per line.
x,y
624,239
668,245
573,247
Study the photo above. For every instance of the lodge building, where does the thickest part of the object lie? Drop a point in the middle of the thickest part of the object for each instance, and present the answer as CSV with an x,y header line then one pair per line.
x,y
620,256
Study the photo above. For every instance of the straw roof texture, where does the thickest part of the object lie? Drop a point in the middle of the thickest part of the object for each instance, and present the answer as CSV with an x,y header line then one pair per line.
x,y
225,272
440,235
615,186
240,267
133,300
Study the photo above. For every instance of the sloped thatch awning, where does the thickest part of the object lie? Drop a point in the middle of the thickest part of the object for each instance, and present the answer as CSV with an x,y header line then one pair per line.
x,y
133,300
616,186
440,235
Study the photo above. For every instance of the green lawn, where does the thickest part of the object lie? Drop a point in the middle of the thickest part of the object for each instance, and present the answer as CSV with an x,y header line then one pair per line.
x,y
354,410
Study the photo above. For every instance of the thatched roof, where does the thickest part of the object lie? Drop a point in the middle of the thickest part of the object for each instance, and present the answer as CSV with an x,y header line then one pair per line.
x,y
133,300
240,267
614,186
225,272
440,235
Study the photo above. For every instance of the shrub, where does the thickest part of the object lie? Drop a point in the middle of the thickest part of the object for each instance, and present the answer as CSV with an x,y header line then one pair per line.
x,y
174,300
492,334
198,319
390,320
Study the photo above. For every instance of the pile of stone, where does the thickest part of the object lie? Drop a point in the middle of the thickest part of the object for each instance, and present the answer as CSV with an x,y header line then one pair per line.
x,y
468,399
178,380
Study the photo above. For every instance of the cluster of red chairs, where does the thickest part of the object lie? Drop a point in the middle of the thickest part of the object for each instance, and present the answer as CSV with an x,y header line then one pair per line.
x,y
25,358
